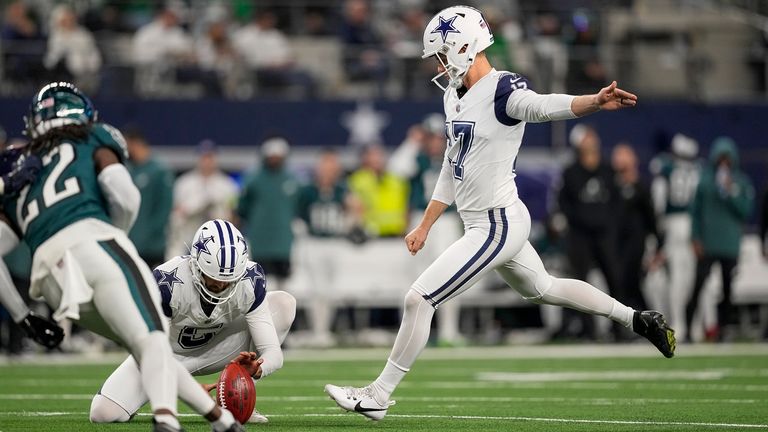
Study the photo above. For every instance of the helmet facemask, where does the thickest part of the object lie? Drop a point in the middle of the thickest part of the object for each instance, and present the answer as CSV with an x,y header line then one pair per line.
x,y
453,70
198,280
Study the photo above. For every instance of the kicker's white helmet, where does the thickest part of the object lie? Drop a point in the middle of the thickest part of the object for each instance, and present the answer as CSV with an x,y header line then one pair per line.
x,y
218,251
455,35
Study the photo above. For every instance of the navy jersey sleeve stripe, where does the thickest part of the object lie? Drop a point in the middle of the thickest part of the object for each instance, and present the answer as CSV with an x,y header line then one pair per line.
x,y
165,294
507,84
259,282
261,294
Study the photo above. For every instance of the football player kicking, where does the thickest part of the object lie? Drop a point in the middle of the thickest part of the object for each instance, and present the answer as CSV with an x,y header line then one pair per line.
x,y
219,311
486,112
68,195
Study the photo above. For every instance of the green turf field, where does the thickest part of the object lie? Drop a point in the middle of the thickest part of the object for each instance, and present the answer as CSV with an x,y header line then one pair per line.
x,y
551,388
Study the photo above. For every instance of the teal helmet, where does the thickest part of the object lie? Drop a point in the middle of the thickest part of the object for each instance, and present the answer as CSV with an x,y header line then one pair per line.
x,y
56,105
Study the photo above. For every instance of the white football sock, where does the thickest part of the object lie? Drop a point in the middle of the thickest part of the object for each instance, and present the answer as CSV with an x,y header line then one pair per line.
x,y
224,422
168,419
579,295
411,340
158,374
192,393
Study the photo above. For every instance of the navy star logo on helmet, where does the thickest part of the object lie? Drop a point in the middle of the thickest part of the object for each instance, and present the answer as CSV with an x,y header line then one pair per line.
x,y
445,27
201,245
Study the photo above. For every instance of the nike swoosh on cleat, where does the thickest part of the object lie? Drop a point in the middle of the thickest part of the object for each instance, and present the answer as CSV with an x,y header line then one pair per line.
x,y
360,409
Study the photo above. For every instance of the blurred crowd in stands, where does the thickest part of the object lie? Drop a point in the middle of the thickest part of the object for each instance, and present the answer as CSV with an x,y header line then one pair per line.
x,y
239,49
607,214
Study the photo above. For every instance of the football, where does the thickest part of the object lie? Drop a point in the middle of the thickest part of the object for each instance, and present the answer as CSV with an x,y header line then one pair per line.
x,y
235,391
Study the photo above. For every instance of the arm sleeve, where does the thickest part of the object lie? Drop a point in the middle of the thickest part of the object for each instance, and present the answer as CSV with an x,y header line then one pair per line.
x,y
445,190
9,296
529,106
515,101
122,195
265,339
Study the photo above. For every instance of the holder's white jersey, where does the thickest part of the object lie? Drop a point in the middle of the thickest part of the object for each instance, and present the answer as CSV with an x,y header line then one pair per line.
x,y
193,327
485,130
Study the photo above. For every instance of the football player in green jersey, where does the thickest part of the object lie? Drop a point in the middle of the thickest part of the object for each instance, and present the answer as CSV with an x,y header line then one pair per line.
x,y
675,178
74,211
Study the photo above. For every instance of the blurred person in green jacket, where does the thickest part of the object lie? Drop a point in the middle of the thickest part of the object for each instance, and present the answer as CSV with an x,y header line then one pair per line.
x,y
155,183
267,207
720,208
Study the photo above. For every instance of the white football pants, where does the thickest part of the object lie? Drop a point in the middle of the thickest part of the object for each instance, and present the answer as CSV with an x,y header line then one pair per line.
x,y
122,389
681,269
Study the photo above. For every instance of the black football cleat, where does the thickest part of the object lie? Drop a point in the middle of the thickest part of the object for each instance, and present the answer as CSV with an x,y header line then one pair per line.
x,y
164,427
652,326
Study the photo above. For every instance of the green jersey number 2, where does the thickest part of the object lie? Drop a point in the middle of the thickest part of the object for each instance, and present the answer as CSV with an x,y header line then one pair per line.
x,y
28,211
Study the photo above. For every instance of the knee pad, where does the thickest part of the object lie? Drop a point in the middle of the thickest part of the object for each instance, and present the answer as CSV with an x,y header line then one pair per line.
x,y
105,410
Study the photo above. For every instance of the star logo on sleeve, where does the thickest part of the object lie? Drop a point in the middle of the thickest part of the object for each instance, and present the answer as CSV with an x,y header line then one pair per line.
x,y
201,245
253,274
167,279
445,26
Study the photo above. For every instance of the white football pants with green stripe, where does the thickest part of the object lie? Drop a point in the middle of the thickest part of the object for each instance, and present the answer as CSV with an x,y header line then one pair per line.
x,y
125,305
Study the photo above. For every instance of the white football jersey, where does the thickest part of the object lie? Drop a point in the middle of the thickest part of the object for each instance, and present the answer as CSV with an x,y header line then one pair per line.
x,y
193,326
484,140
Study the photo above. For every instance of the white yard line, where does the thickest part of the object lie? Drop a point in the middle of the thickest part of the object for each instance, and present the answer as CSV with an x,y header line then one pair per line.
x,y
50,396
458,385
454,417
615,375
478,399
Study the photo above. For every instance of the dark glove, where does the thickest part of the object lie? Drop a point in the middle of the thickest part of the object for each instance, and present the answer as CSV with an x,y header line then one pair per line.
x,y
45,332
24,172
8,159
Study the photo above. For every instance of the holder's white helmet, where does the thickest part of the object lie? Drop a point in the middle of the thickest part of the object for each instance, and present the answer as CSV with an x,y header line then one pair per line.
x,y
455,35
219,252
